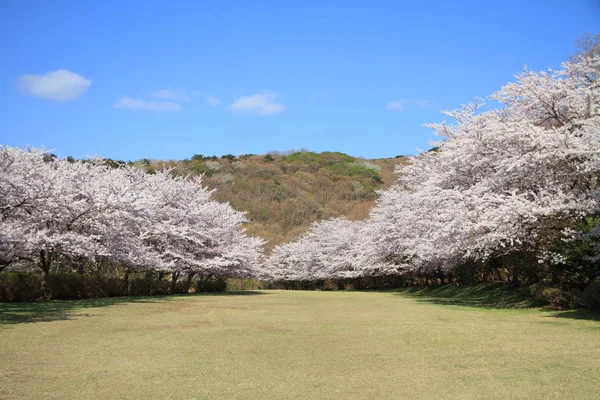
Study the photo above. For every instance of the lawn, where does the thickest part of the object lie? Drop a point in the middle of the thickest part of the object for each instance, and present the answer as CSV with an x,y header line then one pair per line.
x,y
295,345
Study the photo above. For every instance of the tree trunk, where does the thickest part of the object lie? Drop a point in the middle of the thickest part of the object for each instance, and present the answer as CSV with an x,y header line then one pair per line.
x,y
174,277
555,280
45,267
190,276
499,273
126,281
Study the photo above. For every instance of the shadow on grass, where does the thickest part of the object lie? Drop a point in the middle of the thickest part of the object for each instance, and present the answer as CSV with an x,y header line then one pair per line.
x,y
578,314
489,295
485,295
63,310
60,310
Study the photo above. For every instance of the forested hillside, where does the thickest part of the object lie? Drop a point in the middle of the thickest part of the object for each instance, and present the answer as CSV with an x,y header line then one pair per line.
x,y
283,193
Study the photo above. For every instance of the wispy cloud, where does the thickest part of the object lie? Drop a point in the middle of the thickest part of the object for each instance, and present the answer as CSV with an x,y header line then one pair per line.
x,y
397,105
178,95
213,100
62,85
394,105
141,105
263,104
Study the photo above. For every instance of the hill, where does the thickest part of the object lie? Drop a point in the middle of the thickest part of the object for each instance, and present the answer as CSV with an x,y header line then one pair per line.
x,y
283,193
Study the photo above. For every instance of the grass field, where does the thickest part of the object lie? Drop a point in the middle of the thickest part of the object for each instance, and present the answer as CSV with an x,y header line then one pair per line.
x,y
296,345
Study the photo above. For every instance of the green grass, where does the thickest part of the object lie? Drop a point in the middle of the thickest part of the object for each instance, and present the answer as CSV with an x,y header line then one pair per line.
x,y
295,345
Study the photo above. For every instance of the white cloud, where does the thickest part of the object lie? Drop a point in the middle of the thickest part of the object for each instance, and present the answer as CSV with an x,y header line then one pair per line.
x,y
213,100
398,105
176,95
61,84
260,103
141,105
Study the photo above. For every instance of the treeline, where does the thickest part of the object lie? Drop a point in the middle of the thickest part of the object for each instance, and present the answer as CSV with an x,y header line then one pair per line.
x,y
509,195
114,222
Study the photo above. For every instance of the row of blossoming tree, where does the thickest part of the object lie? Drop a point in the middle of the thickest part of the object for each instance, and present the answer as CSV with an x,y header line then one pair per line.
x,y
86,216
508,194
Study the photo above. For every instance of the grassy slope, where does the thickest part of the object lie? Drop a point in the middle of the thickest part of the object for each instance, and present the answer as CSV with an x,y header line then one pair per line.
x,y
294,345
284,194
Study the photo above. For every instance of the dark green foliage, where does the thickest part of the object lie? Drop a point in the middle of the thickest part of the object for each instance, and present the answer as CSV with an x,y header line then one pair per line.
x,y
200,168
229,157
591,295
181,288
356,170
338,163
556,296
578,269
21,286
211,285
200,157
319,159
18,286
248,284
148,287
50,157
114,163
465,273
79,286
269,158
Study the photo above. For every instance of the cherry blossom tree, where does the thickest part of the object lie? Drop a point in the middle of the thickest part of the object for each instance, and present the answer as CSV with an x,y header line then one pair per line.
x,y
55,212
330,250
502,182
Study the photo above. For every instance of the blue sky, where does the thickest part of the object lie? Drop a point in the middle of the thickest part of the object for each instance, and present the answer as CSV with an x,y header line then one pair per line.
x,y
167,80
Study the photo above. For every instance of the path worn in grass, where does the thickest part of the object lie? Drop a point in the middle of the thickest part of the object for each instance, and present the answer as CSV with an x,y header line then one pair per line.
x,y
294,345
